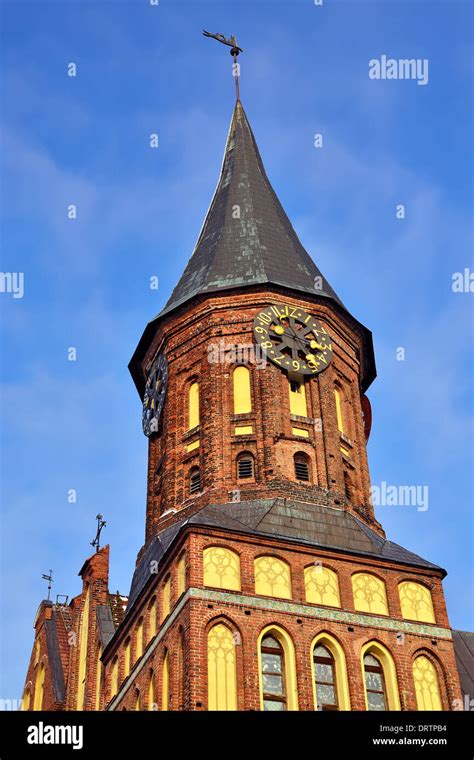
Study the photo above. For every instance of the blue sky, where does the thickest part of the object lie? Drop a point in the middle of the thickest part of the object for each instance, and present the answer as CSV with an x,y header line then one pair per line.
x,y
85,140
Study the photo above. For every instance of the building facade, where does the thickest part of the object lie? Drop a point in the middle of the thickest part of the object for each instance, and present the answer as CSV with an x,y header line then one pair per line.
x,y
265,581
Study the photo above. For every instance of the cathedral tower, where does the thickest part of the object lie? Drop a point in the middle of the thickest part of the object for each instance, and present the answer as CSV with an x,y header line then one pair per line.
x,y
265,581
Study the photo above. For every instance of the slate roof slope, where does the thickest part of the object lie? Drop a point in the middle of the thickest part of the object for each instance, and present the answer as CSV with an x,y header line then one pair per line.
x,y
304,523
464,652
261,246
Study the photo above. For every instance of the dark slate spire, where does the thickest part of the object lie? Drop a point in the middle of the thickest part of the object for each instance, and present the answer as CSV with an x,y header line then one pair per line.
x,y
259,247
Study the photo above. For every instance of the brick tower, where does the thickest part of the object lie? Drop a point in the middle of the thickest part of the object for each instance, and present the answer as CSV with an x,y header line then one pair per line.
x,y
265,580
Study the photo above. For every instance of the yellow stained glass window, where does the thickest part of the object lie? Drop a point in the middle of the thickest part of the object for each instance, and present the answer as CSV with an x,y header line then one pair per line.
x,y
321,586
416,602
369,594
221,568
165,683
221,665
39,687
426,684
83,652
272,577
114,677
193,406
339,415
298,399
126,658
139,640
152,619
181,575
242,393
166,599
25,702
151,692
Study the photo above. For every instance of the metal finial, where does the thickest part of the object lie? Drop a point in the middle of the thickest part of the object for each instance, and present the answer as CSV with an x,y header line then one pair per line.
x,y
100,524
48,578
234,51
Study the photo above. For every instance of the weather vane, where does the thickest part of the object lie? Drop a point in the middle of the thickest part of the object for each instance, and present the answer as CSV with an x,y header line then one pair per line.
x,y
234,51
48,578
100,524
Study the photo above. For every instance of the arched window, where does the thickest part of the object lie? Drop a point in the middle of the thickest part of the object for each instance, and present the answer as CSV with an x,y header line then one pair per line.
x,y
297,393
380,678
278,690
114,677
374,683
242,392
426,684
181,573
338,398
194,480
152,619
245,466
83,652
302,468
193,405
39,687
321,586
416,602
166,598
221,669
165,682
369,594
221,568
347,485
139,640
37,652
126,658
272,577
325,679
152,705
26,701
328,662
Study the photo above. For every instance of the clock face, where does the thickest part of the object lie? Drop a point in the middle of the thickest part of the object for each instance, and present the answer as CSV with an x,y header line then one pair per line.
x,y
293,339
155,392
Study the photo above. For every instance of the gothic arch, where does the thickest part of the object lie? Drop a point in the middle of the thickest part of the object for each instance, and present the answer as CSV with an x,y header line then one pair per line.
x,y
440,673
331,642
286,641
385,657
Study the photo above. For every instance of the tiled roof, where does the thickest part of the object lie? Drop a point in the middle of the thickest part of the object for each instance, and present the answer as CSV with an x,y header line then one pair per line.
x,y
304,523
464,651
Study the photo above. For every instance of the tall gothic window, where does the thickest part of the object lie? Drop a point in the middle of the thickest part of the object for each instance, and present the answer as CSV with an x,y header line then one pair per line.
x,y
374,683
272,577
165,682
221,668
338,398
221,568
242,391
83,651
139,640
114,679
416,602
26,701
152,619
39,687
325,679
166,598
181,574
369,594
126,658
152,691
426,684
273,675
193,405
